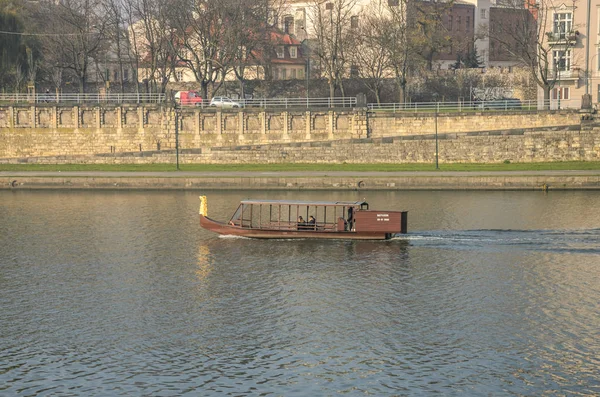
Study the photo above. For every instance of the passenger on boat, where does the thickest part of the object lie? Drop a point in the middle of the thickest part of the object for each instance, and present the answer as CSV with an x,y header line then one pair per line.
x,y
350,221
301,223
312,222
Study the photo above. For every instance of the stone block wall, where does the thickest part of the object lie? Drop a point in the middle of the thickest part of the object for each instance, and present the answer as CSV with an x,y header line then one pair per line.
x,y
398,124
88,130
515,146
51,131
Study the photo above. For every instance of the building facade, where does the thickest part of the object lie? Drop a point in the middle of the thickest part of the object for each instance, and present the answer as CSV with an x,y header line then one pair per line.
x,y
571,31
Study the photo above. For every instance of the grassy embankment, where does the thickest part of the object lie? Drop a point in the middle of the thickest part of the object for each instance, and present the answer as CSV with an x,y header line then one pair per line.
x,y
570,165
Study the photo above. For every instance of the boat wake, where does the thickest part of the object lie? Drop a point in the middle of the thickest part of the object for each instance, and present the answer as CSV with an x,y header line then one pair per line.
x,y
231,236
576,240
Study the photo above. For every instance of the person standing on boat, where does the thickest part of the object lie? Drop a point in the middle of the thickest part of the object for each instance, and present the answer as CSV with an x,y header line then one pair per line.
x,y
350,218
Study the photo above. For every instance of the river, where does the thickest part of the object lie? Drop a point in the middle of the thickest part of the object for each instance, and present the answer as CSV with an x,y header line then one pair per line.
x,y
116,293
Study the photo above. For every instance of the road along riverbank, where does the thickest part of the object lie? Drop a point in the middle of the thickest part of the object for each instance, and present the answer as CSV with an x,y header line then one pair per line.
x,y
483,180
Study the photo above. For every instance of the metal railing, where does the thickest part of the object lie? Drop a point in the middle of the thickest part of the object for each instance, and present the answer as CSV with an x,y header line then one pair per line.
x,y
336,102
279,103
71,98
287,103
475,106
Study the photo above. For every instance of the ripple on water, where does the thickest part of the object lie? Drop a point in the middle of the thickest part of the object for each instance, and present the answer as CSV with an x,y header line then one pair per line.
x,y
104,302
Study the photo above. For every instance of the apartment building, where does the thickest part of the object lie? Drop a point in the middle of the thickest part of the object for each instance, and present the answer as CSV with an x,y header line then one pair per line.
x,y
467,23
571,31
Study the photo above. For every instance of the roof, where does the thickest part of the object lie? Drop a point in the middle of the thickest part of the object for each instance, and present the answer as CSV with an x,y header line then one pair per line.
x,y
291,202
280,38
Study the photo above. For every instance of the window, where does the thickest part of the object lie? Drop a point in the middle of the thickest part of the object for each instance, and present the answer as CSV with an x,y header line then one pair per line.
x,y
354,22
449,22
354,71
562,60
468,24
243,52
293,52
115,75
483,13
563,24
561,93
125,74
458,21
300,73
283,74
294,74
280,53
393,3
179,75
288,24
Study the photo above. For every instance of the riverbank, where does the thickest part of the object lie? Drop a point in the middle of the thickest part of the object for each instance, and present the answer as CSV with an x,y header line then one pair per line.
x,y
304,180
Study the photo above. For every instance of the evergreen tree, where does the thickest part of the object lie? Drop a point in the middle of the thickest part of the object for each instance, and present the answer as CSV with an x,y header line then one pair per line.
x,y
472,59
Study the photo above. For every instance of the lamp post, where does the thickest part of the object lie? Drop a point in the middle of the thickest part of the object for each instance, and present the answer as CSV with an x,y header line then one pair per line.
x,y
176,108
559,89
561,36
437,167
587,49
307,56
589,77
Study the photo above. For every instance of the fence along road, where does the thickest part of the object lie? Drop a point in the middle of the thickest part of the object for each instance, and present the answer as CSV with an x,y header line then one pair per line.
x,y
285,103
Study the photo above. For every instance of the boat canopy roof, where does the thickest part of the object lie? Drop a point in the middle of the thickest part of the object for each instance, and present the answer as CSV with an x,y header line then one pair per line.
x,y
295,202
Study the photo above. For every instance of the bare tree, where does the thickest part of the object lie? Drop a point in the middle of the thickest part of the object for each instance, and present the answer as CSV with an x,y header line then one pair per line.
x,y
19,75
398,44
530,36
56,77
200,34
428,33
332,24
247,38
75,34
152,40
116,35
370,50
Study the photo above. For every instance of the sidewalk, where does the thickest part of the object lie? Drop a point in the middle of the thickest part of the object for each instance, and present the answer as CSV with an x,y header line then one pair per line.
x,y
340,180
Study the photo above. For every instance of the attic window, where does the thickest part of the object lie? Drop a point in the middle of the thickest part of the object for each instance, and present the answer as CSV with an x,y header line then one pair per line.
x,y
293,52
279,51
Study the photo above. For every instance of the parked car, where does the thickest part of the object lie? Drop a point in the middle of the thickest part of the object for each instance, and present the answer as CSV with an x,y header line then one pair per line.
x,y
500,104
224,102
188,98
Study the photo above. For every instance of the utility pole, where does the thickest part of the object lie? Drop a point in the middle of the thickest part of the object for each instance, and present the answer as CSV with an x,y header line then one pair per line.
x,y
176,108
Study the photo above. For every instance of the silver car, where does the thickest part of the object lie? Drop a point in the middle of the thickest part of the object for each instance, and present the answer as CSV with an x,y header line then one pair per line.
x,y
224,102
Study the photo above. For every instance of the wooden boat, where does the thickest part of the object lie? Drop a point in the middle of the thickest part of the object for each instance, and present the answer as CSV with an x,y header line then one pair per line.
x,y
307,219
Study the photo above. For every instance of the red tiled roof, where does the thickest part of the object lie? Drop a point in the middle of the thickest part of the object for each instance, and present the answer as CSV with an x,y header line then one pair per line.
x,y
283,38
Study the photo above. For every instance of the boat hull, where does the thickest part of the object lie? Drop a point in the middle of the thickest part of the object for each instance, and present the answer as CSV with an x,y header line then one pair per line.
x,y
230,230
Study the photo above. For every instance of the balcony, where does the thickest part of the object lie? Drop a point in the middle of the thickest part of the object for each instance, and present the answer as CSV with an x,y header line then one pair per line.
x,y
572,74
562,37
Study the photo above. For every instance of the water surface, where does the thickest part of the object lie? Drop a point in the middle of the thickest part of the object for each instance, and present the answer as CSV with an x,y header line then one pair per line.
x,y
121,293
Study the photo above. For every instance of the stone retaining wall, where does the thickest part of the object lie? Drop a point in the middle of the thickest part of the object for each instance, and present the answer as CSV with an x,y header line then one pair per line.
x,y
535,145
43,131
